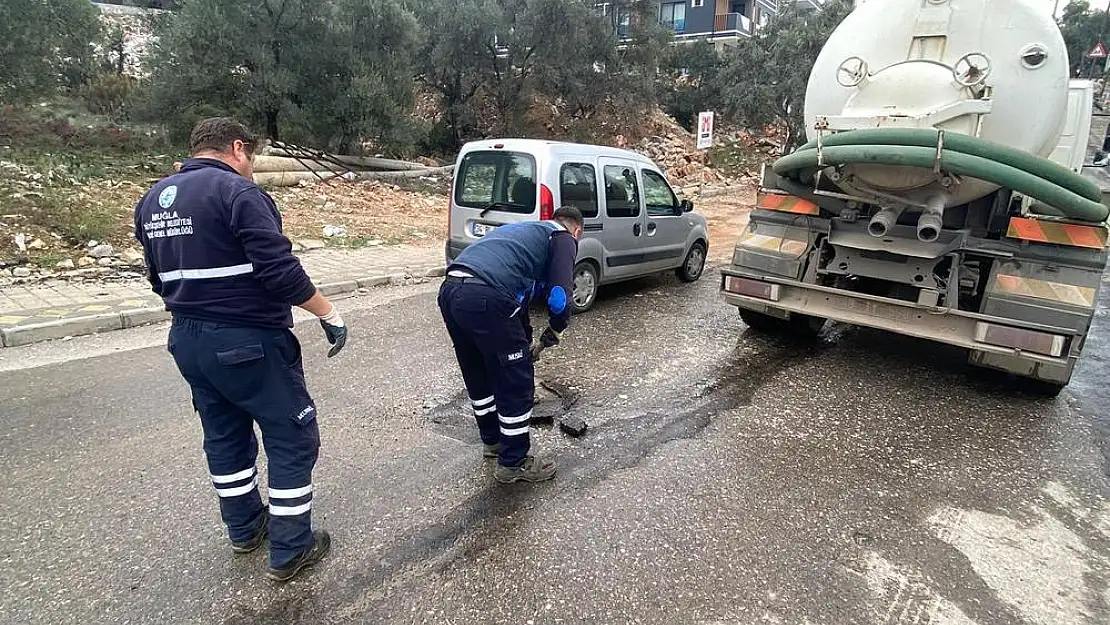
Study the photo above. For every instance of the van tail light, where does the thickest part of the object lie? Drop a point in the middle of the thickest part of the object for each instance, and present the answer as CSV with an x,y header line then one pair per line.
x,y
450,201
547,203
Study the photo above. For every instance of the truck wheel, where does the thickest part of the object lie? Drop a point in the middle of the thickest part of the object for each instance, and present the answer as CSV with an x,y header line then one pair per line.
x,y
585,287
694,265
1042,388
798,326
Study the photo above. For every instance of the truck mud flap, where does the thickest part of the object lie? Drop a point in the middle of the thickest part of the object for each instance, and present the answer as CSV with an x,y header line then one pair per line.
x,y
778,243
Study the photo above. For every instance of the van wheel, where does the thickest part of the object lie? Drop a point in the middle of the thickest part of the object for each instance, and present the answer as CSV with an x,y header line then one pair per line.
x,y
694,265
585,287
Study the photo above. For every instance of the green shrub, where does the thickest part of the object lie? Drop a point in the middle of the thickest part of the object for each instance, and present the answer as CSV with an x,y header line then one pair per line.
x,y
108,93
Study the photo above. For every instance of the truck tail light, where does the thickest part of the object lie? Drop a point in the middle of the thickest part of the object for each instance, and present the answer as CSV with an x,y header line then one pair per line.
x,y
752,288
547,203
1025,340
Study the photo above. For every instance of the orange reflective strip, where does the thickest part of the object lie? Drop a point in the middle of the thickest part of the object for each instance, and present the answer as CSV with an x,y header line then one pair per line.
x,y
1085,236
804,207
1074,295
771,200
1029,229
787,204
1093,237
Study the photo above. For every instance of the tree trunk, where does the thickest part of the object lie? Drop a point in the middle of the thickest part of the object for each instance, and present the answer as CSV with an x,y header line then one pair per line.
x,y
272,125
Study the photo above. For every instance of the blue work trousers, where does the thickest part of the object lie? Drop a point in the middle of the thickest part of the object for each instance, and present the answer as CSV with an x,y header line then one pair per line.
x,y
240,376
492,342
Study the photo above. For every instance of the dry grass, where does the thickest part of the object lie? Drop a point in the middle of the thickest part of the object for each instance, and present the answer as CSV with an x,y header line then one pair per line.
x,y
369,212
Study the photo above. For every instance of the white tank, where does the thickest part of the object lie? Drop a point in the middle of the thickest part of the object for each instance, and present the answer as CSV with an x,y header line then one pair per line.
x,y
997,69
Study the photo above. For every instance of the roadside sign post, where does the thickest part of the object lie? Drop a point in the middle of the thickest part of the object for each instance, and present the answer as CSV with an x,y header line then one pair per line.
x,y
1097,54
705,130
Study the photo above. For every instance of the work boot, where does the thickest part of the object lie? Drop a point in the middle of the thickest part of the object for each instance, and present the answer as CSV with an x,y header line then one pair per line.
x,y
491,451
533,469
320,547
254,542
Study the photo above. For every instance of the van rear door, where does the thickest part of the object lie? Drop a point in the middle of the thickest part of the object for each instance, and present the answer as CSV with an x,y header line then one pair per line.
x,y
492,188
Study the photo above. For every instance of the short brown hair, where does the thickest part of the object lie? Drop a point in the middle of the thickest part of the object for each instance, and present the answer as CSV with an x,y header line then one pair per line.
x,y
218,133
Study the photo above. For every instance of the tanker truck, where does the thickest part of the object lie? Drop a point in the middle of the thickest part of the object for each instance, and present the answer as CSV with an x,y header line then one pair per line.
x,y
939,195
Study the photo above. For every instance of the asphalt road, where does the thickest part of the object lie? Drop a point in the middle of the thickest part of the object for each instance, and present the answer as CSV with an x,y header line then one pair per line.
x,y
726,478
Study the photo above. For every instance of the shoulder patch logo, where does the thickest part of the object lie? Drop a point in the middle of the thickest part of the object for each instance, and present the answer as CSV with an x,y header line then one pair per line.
x,y
168,195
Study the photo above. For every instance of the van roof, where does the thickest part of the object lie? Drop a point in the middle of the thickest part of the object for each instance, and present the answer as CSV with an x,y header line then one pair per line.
x,y
554,148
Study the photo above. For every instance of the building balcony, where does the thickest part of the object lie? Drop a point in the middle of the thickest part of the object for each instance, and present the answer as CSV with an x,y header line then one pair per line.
x,y
678,26
725,26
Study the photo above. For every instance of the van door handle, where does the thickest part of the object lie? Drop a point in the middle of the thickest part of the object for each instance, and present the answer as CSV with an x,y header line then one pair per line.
x,y
636,229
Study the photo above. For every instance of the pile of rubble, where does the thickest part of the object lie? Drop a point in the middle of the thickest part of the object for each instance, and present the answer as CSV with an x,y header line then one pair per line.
x,y
675,150
134,24
101,262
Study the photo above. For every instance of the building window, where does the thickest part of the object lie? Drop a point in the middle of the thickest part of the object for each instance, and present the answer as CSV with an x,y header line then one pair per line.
x,y
673,15
697,4
624,22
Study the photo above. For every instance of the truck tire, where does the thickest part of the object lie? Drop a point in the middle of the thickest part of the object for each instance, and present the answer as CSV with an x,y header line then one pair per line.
x,y
798,326
694,263
585,284
1042,388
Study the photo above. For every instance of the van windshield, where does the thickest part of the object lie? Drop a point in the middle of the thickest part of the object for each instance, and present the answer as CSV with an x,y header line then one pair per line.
x,y
497,181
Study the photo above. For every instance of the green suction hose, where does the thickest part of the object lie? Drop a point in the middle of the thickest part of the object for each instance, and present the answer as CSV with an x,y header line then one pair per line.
x,y
1055,185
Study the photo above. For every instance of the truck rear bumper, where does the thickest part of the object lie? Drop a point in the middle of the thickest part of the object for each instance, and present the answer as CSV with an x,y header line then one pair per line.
x,y
952,327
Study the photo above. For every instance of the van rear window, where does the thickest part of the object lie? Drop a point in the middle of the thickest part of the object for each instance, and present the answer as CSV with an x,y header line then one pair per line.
x,y
498,181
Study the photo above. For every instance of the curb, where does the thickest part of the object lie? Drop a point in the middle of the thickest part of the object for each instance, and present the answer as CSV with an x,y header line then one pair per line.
x,y
104,322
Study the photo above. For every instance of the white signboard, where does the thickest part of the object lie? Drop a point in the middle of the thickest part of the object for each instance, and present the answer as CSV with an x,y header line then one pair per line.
x,y
705,130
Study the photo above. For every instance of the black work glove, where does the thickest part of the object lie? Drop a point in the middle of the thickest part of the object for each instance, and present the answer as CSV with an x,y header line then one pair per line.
x,y
335,331
550,338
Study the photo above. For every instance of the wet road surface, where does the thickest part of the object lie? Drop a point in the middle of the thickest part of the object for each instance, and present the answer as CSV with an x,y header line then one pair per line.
x,y
726,478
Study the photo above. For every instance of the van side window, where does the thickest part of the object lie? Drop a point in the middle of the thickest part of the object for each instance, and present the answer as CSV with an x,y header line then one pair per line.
x,y
578,188
622,194
660,200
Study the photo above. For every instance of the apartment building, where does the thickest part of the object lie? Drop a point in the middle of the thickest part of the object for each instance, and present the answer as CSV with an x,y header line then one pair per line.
x,y
719,21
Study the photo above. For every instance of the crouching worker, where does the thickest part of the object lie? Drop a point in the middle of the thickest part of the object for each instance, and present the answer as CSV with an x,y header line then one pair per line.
x,y
484,300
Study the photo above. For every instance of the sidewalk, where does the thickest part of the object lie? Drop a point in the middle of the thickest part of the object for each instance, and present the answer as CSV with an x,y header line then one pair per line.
x,y
60,308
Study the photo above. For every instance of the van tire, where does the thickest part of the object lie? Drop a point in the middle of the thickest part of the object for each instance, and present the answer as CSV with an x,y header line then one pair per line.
x,y
585,274
693,266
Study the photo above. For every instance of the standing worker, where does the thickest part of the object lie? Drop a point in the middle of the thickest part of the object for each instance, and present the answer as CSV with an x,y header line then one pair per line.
x,y
484,300
216,254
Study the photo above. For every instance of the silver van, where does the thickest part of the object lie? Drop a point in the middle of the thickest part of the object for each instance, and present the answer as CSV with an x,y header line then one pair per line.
x,y
635,225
